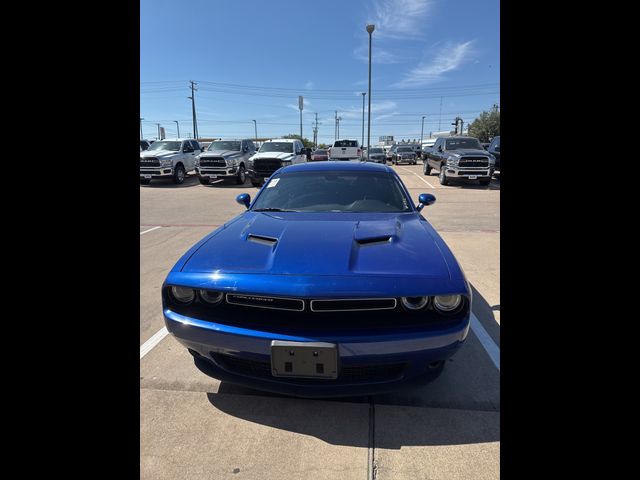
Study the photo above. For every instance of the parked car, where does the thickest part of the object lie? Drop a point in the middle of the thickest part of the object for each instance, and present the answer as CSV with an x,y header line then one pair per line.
x,y
376,154
494,149
226,159
365,301
403,153
273,155
345,150
319,154
460,158
168,159
144,144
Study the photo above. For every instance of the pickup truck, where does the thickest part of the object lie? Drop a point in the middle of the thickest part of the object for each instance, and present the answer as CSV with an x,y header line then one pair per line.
x,y
345,150
273,155
225,159
168,159
459,158
403,153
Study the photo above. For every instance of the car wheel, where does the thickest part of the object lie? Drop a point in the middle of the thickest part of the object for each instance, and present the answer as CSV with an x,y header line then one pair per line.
x,y
204,181
257,184
485,182
145,181
179,175
443,176
426,169
242,176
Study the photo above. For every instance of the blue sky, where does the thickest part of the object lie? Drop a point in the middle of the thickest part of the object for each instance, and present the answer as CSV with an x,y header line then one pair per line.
x,y
252,58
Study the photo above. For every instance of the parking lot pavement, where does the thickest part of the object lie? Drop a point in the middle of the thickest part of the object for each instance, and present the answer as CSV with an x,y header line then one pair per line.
x,y
193,426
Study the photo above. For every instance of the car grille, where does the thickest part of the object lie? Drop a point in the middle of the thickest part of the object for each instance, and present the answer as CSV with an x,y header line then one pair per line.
x,y
348,374
480,173
266,166
212,162
480,162
353,305
150,172
149,162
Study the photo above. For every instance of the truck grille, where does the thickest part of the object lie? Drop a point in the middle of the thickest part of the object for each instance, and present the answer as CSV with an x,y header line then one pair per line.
x,y
266,166
212,162
149,162
479,162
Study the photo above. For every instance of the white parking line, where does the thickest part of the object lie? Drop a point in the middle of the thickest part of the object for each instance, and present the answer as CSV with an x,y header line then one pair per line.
x,y
150,230
153,341
487,342
410,171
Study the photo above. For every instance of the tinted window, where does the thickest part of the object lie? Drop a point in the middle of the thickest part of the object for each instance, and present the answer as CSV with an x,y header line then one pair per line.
x,y
336,191
346,143
320,152
286,147
457,143
405,149
375,150
195,145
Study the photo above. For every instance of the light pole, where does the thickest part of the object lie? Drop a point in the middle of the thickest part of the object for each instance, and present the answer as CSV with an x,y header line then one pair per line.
x,y
370,29
255,128
362,142
158,131
178,127
141,136
339,119
421,132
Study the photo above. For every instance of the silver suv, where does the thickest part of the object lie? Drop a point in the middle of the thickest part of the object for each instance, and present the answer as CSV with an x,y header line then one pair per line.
x,y
168,159
225,159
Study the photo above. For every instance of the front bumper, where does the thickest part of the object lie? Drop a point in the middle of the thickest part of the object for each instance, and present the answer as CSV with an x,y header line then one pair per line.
x,y
156,172
468,172
414,351
216,172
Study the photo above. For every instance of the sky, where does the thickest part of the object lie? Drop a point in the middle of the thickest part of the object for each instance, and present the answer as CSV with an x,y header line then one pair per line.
x,y
251,59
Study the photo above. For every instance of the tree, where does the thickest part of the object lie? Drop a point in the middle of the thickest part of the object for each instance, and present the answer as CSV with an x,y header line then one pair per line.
x,y
306,142
486,126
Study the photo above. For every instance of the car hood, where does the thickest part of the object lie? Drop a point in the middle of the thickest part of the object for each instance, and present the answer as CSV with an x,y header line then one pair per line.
x,y
468,151
338,244
158,153
220,153
279,155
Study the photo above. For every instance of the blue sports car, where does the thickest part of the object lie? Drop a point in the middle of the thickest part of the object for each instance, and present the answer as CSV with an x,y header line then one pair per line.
x,y
330,284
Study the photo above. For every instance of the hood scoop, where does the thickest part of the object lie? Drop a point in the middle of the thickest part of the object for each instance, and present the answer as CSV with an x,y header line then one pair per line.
x,y
374,240
262,239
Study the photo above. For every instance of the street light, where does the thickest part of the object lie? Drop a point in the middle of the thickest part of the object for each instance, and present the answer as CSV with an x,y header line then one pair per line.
x,y
362,142
255,128
421,132
370,29
178,127
141,136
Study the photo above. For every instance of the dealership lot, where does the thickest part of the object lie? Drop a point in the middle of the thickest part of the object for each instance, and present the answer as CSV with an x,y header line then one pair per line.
x,y
194,427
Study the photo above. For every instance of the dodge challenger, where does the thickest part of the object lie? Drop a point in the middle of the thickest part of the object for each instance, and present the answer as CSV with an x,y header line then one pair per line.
x,y
331,283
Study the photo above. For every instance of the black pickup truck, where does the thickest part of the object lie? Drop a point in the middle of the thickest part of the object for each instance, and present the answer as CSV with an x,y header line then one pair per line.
x,y
459,158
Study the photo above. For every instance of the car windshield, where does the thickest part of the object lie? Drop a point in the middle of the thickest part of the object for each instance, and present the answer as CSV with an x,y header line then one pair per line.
x,y
376,150
458,143
405,149
286,147
171,146
346,143
224,146
320,152
333,191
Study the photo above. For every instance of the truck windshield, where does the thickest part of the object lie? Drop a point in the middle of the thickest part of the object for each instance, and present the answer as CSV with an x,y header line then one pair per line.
x,y
171,146
405,149
285,147
224,146
376,150
458,143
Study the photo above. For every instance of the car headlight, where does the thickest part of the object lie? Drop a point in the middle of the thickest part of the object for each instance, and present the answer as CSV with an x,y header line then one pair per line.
x,y
447,303
414,303
166,161
211,298
183,294
452,161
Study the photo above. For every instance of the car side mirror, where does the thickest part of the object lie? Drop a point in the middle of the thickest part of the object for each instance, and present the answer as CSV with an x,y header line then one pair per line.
x,y
425,199
244,199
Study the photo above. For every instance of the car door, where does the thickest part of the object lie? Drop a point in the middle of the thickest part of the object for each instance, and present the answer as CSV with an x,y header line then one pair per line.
x,y
188,155
432,155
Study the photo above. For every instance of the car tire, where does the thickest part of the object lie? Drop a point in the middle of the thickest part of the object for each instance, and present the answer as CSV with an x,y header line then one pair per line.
x,y
241,179
443,176
256,184
179,175
204,181
485,182
145,181
426,169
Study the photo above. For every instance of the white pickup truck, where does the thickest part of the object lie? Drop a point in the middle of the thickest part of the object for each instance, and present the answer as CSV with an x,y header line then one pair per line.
x,y
345,150
168,159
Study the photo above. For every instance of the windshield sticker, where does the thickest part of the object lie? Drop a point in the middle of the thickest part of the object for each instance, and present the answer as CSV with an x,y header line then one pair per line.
x,y
273,183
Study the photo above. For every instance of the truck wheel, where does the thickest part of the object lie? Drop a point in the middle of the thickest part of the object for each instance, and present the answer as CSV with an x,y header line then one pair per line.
x,y
179,175
257,183
242,176
443,176
145,181
485,182
204,181
426,169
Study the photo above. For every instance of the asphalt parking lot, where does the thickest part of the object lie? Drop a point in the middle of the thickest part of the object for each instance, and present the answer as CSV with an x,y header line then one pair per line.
x,y
195,427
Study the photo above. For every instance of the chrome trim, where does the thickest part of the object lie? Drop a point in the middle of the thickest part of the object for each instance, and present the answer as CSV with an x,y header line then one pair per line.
x,y
265,296
395,304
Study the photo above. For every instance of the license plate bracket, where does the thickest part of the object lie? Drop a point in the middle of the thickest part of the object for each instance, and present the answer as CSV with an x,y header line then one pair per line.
x,y
317,360
473,177
147,176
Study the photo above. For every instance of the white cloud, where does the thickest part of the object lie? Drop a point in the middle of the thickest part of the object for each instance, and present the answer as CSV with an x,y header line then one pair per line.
x,y
399,19
448,58
309,85
378,55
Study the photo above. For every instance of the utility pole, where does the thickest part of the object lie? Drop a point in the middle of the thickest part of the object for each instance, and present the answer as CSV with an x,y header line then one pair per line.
x,y
335,128
440,118
339,120
370,29
141,136
255,128
362,142
315,132
421,132
178,127
193,108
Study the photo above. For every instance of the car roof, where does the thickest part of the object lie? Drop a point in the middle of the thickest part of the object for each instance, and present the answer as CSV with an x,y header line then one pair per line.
x,y
337,166
283,140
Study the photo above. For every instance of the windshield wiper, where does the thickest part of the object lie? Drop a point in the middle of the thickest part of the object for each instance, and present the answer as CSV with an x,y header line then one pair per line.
x,y
271,209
